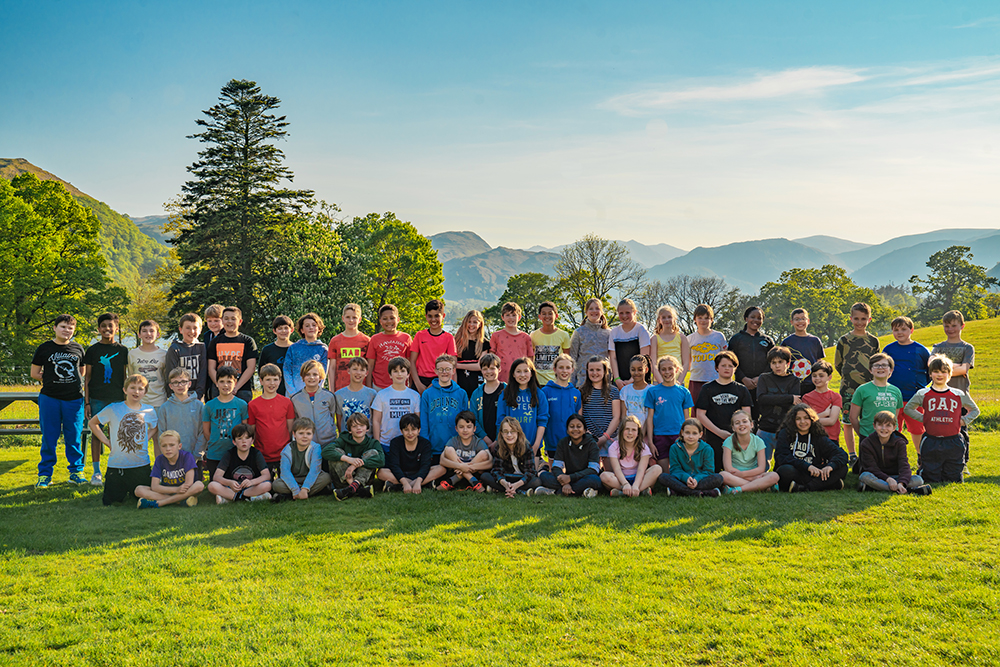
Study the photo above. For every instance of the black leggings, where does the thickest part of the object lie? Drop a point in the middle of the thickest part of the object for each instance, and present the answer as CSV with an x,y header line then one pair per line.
x,y
789,473
490,480
677,487
591,481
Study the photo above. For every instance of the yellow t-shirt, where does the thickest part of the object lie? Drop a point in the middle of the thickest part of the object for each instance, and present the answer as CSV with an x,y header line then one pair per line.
x,y
547,348
662,348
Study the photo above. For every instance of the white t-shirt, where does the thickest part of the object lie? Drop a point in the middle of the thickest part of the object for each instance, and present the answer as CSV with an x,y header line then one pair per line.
x,y
150,366
703,351
129,434
393,405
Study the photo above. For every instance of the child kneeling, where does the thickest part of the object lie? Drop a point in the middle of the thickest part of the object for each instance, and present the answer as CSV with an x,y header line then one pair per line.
x,y
172,477
242,473
692,465
466,455
630,474
301,474
884,464
354,458
576,467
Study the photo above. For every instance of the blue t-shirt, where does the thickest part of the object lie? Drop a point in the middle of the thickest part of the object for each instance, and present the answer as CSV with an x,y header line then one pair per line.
x,y
224,417
909,374
173,475
129,434
668,405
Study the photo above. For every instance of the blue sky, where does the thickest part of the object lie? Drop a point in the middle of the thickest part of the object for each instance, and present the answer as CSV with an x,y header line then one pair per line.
x,y
534,123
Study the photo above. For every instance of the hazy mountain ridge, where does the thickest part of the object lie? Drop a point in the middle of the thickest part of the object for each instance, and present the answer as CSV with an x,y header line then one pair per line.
x,y
484,276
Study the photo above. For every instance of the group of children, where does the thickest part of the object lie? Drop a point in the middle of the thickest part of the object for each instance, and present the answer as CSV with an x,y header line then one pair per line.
x,y
536,414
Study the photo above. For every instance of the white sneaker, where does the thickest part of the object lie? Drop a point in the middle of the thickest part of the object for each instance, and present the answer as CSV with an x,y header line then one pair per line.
x,y
96,479
590,493
263,496
191,501
219,500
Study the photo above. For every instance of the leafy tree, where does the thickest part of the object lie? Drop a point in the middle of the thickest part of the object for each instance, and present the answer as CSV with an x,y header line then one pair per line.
x,y
898,297
685,293
149,299
234,210
954,283
828,294
597,267
52,264
528,290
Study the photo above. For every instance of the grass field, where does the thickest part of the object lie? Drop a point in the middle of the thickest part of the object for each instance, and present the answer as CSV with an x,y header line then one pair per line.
x,y
463,579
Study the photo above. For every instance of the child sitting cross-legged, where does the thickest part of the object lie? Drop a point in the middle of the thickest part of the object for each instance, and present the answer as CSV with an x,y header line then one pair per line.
x,y
173,476
884,464
242,473
513,470
744,458
354,458
692,464
576,467
301,473
465,455
630,474
805,458
408,465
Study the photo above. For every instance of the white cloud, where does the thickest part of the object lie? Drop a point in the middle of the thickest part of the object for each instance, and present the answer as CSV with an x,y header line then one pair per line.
x,y
979,23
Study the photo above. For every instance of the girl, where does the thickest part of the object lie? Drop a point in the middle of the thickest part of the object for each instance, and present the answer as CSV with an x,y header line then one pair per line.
x,y
630,474
625,341
692,465
744,463
751,348
563,399
523,400
633,395
514,465
590,339
471,344
805,458
601,406
670,341
667,406
575,466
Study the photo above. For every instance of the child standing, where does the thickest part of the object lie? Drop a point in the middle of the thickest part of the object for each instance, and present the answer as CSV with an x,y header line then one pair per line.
x,y
510,343
190,354
777,392
751,348
485,399
601,403
875,396
132,425
525,402
242,473
564,400
744,458
271,415
692,465
384,347
667,406
302,475
173,476
355,397
182,414
466,455
576,466
549,342
633,394
719,400
274,352
148,360
56,364
827,404
631,474
590,339
805,459
909,372
963,359
854,349
513,470
806,349
308,348
626,341
317,403
348,345
669,341
408,462
884,464
440,403
945,411
392,403
355,458
471,345
705,343
220,416
428,346
104,366
236,350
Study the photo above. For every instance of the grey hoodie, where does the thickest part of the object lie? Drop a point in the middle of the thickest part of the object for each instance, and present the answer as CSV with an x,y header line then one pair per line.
x,y
185,417
322,410
588,340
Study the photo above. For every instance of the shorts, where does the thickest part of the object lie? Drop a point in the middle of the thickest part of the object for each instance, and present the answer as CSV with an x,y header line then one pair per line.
x,y
694,386
211,465
435,460
662,443
426,381
120,482
913,427
630,479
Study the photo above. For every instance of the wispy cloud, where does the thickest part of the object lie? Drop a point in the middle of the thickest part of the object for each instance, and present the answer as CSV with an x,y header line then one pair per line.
x,y
979,23
985,69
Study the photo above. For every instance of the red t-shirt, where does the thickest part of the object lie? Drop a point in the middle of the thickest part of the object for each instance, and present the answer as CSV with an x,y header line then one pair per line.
x,y
510,348
343,349
820,402
383,348
428,348
269,417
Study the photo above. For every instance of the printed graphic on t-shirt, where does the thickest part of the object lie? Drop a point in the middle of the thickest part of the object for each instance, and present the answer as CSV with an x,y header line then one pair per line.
x,y
132,433
545,356
105,360
229,354
725,399
226,420
399,407
173,477
354,406
192,365
242,472
65,367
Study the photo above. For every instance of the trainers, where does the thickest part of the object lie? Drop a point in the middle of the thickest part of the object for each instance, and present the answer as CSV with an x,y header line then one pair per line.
x,y
840,485
646,492
479,488
365,492
615,493
341,494
264,496
923,490
393,488
191,501
776,488
96,479
588,493
669,492
862,487
219,500
542,491
732,490
855,463
43,482
280,497
793,487
146,504
444,485
965,471
711,493
74,478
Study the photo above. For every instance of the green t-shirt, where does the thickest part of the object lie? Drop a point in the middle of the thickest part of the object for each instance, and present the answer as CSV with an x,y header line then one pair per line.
x,y
872,400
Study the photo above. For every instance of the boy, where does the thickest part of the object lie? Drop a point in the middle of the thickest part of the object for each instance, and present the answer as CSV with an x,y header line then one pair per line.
x,y
104,369
132,424
213,323
428,346
854,349
148,360
392,403
777,391
302,474
484,399
234,349
317,403
355,398
271,415
827,404
182,414
564,400
806,349
440,404
509,343
56,364
963,359
173,476
705,343
274,353
946,410
909,371
884,466
354,459
308,348
242,473
408,462
190,354
718,400
384,347
220,416
549,342
465,455
875,396
345,346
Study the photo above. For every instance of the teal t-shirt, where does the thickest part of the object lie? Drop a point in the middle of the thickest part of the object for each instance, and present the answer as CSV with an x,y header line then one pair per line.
x,y
224,417
746,459
872,400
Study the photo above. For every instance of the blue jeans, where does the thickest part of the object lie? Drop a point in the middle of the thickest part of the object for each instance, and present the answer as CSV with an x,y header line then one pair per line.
x,y
874,482
55,417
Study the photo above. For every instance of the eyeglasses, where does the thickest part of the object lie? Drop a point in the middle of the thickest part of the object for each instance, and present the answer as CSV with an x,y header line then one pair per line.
x,y
179,383
880,366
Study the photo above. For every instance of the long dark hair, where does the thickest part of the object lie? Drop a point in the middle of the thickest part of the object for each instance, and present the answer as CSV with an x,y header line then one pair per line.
x,y
816,429
510,393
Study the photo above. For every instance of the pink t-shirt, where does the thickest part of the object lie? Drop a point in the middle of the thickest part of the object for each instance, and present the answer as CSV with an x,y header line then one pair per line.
x,y
429,347
342,349
382,349
628,465
510,348
820,402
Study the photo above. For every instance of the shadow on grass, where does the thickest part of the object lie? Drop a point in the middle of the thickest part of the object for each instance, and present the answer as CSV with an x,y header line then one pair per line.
x,y
7,466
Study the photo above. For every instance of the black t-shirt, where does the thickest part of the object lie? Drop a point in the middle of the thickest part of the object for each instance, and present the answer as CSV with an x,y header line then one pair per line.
x,y
490,411
107,379
469,380
241,469
720,401
233,351
60,364
273,354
